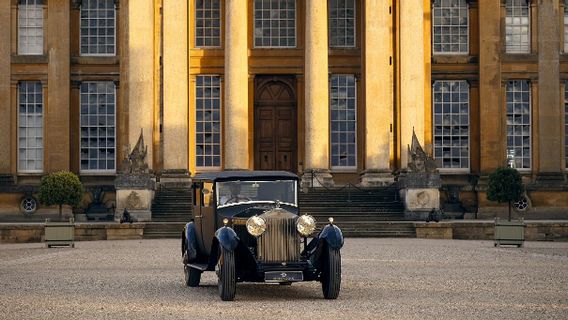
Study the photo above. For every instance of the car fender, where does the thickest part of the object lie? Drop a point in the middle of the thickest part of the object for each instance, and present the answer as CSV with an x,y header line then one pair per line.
x,y
189,242
227,238
332,236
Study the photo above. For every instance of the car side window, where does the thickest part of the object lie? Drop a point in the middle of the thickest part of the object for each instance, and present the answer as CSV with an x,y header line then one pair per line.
x,y
207,194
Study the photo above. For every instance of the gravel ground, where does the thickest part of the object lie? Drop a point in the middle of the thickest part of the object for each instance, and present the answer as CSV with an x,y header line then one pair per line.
x,y
382,279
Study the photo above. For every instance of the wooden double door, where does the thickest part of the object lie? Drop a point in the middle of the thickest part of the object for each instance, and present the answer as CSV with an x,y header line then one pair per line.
x,y
275,123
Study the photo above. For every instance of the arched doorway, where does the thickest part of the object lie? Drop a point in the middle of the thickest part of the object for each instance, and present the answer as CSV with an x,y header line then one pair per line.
x,y
275,134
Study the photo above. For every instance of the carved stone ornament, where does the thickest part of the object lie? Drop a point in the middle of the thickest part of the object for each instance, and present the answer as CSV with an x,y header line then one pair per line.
x,y
418,159
133,202
135,162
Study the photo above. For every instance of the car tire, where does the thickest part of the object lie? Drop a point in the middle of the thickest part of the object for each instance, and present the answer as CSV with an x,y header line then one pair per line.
x,y
331,274
227,279
192,276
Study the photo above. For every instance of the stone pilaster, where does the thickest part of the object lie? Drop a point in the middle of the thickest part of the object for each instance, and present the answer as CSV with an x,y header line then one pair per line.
x,y
140,72
490,98
316,159
236,138
57,110
378,92
5,105
412,74
175,66
550,129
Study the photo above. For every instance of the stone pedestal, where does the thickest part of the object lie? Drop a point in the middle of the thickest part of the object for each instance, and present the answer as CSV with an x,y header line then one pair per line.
x,y
420,193
316,178
377,178
134,192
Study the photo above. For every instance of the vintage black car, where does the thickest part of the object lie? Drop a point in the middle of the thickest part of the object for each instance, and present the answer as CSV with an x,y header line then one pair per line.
x,y
247,227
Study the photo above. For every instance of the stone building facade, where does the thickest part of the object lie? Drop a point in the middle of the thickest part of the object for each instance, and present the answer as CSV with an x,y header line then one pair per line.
x,y
331,90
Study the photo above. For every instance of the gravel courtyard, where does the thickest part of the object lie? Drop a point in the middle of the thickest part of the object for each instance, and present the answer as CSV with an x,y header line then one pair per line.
x,y
382,279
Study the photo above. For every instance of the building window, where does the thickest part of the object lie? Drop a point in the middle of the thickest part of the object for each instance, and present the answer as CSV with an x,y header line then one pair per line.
x,y
341,23
517,27
208,122
565,26
30,27
98,126
451,124
30,126
343,114
519,124
208,23
275,23
566,122
98,29
450,27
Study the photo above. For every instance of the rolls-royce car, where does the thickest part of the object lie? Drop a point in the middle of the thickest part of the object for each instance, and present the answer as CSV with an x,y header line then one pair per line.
x,y
247,227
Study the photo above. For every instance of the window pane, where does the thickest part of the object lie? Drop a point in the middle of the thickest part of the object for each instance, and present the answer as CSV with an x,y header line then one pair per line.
x,y
208,23
30,27
275,23
450,26
518,124
30,126
97,126
98,31
343,115
517,26
208,121
451,123
341,15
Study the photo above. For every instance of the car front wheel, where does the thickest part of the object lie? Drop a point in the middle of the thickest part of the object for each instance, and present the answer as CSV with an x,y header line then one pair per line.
x,y
227,280
192,276
331,274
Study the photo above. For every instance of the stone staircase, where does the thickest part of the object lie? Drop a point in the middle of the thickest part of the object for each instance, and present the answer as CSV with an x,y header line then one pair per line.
x,y
359,212
171,210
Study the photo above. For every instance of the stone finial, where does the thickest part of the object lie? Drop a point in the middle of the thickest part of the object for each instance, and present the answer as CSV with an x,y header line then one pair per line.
x,y
418,159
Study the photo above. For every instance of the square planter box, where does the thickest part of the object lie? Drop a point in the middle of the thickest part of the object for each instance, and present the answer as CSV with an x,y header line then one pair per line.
x,y
509,232
60,233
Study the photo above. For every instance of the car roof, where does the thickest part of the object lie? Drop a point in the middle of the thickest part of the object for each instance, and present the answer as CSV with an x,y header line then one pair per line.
x,y
245,175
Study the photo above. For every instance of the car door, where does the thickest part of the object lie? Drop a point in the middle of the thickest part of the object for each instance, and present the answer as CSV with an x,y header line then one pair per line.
x,y
198,215
208,208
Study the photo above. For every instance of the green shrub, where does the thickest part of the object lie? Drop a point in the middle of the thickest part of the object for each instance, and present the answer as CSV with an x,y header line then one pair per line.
x,y
60,188
505,185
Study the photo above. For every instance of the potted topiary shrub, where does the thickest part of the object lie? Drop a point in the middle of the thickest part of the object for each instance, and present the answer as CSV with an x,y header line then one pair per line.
x,y
60,188
506,185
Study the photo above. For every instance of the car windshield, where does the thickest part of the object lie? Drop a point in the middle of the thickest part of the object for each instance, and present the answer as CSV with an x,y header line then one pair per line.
x,y
233,192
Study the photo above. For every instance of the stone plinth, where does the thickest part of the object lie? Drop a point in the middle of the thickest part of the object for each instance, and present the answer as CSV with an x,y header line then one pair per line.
x,y
316,178
175,178
377,178
134,192
420,194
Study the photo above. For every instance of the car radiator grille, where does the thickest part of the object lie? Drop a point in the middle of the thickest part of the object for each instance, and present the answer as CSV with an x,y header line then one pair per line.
x,y
280,241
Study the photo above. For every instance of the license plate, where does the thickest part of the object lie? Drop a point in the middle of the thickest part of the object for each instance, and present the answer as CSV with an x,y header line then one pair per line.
x,y
283,276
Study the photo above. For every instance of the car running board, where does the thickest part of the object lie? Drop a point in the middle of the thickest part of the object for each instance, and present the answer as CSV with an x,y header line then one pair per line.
x,y
199,266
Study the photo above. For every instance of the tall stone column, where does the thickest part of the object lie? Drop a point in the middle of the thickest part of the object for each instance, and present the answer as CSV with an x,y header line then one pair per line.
x,y
5,105
550,130
140,73
412,75
176,98
236,144
378,92
58,70
490,107
316,158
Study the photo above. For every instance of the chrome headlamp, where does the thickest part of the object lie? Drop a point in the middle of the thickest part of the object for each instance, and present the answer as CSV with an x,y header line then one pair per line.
x,y
306,225
256,226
